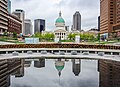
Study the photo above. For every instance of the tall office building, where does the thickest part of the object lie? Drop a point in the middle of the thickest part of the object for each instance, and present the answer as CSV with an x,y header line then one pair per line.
x,y
3,16
39,25
9,6
76,21
21,15
109,16
28,27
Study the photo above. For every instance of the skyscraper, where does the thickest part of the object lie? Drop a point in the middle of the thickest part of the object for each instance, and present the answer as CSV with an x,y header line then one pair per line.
x,y
21,15
28,27
109,16
39,25
76,21
3,16
9,6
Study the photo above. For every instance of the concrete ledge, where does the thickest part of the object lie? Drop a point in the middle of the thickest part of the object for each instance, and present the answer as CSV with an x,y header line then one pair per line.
x,y
29,52
73,52
54,56
15,53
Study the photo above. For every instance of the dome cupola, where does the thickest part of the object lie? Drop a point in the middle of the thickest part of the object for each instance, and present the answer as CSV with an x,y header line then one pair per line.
x,y
60,19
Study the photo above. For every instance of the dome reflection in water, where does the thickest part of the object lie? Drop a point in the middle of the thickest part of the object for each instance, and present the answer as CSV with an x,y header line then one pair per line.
x,y
59,73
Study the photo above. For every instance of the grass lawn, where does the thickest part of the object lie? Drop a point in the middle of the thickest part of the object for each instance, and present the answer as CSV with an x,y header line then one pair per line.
x,y
66,41
107,42
11,40
102,42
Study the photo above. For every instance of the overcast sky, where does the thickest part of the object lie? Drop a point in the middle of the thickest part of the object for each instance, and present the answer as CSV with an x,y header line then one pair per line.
x,y
49,9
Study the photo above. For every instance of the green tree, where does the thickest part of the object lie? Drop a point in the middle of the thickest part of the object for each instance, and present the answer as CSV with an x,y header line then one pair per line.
x,y
87,37
52,36
91,37
74,36
38,35
98,37
70,36
14,35
81,36
47,36
5,34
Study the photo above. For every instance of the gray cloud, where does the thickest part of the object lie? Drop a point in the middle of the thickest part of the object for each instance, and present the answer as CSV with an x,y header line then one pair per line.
x,y
49,9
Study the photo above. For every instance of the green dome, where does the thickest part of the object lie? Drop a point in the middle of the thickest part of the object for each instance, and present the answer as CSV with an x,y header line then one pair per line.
x,y
60,20
59,68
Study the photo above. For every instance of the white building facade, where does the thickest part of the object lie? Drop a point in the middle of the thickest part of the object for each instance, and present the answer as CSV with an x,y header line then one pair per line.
x,y
60,31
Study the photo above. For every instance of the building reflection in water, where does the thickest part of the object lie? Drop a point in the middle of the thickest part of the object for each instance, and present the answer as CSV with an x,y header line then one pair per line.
x,y
76,66
27,62
10,67
59,65
109,73
39,63
4,77
20,71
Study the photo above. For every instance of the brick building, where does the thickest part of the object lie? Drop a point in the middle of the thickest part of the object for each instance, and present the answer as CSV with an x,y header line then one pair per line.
x,y
14,24
109,16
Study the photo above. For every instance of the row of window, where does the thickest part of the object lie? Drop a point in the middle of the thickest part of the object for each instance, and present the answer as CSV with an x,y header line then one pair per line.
x,y
12,23
60,37
59,33
14,29
116,27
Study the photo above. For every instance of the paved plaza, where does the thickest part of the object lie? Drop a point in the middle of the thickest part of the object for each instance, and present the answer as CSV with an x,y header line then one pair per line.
x,y
2,43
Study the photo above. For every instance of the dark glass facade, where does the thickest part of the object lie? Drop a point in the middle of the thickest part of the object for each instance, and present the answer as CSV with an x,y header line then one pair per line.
x,y
39,25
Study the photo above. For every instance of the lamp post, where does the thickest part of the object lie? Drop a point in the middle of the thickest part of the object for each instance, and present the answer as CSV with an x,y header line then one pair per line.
x,y
99,37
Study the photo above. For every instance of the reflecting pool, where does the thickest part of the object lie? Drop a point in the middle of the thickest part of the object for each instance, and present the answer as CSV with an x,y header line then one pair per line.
x,y
59,73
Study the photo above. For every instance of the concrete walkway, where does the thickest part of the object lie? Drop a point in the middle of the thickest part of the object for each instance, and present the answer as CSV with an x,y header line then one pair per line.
x,y
3,43
118,44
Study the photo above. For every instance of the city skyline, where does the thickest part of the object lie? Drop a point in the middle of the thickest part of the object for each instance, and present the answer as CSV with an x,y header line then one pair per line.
x,y
49,11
